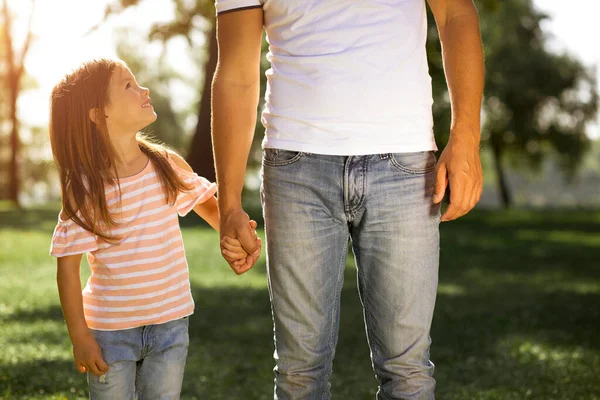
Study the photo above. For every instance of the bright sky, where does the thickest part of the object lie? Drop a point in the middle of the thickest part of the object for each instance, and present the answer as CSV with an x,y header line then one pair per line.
x,y
60,42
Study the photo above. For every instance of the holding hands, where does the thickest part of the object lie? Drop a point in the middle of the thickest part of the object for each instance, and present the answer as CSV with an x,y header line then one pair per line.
x,y
240,245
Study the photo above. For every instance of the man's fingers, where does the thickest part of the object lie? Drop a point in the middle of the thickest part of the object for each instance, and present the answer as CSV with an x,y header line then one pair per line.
x,y
440,183
476,195
463,197
253,224
248,262
244,268
450,213
241,268
255,255
80,368
247,239
239,262
455,209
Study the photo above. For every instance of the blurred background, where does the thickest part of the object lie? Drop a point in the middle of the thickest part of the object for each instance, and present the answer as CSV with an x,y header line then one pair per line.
x,y
518,305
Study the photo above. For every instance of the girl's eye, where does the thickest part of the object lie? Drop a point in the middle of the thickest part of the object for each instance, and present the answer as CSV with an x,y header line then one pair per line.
x,y
128,85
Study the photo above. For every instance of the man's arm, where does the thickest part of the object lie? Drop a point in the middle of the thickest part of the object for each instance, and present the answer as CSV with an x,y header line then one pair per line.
x,y
459,165
235,92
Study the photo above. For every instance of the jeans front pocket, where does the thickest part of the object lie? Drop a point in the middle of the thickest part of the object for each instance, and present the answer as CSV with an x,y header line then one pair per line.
x,y
421,162
279,157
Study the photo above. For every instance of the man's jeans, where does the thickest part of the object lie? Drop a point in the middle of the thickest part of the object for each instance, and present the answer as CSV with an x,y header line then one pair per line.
x,y
313,204
145,363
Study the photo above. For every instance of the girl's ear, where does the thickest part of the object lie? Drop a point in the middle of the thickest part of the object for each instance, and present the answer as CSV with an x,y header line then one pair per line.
x,y
95,114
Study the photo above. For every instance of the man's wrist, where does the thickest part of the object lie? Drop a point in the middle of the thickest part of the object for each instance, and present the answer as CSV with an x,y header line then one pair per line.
x,y
228,204
464,134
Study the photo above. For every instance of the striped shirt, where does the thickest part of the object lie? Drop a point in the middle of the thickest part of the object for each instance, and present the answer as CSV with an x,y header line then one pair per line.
x,y
143,279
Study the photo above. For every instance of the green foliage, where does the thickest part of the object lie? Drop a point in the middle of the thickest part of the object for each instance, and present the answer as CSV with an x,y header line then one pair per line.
x,y
516,315
537,103
535,100
186,20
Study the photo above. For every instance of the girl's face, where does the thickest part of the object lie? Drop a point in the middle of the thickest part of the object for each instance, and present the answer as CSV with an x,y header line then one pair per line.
x,y
128,109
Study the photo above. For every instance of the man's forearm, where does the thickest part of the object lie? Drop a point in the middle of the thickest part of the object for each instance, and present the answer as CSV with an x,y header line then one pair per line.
x,y
463,65
234,119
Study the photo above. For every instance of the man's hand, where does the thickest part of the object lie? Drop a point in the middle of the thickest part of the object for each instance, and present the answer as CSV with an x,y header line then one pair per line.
x,y
88,356
237,225
459,167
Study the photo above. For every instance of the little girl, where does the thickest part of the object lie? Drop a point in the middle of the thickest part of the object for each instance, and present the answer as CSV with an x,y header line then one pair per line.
x,y
121,197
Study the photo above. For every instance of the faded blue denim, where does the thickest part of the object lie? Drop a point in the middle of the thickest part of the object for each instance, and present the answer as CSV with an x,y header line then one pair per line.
x,y
146,363
313,205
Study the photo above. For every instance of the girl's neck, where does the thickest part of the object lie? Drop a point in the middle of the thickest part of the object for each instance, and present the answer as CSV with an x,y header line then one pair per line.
x,y
129,158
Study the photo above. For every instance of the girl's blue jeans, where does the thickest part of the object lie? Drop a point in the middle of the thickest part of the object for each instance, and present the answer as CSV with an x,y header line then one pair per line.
x,y
145,363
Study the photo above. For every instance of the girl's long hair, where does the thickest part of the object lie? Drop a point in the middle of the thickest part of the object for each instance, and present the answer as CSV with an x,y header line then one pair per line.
x,y
83,152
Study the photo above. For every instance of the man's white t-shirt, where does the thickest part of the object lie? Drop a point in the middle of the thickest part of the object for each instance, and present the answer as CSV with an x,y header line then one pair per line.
x,y
346,77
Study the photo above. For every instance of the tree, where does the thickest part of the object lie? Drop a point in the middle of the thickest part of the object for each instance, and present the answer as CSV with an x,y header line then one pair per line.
x,y
13,74
536,104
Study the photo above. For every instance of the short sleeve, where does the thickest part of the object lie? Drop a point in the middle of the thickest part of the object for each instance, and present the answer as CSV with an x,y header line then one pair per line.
x,y
224,6
69,239
201,190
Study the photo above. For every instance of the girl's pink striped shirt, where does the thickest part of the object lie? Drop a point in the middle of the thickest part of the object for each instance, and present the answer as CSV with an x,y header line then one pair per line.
x,y
143,279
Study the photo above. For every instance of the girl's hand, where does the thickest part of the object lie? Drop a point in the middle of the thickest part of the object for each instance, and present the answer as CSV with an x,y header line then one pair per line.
x,y
88,356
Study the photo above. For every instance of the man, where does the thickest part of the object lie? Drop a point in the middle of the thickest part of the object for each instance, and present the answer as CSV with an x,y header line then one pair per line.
x,y
348,154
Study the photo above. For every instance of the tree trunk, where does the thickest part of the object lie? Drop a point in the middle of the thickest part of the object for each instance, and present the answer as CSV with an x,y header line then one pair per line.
x,y
13,192
502,183
200,156
15,69
12,84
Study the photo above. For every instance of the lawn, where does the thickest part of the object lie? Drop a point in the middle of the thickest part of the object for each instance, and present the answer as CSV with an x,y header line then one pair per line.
x,y
517,316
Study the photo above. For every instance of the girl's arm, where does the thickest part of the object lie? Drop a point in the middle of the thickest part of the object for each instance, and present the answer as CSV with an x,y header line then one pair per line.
x,y
209,211
86,352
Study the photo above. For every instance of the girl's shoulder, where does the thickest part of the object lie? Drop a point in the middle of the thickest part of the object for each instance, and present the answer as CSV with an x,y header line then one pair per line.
x,y
177,162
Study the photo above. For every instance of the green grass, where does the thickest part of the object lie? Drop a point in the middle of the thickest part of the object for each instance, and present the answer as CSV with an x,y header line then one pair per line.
x,y
517,315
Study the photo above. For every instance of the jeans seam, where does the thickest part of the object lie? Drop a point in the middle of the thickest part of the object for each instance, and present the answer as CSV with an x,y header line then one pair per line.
x,y
336,305
368,326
